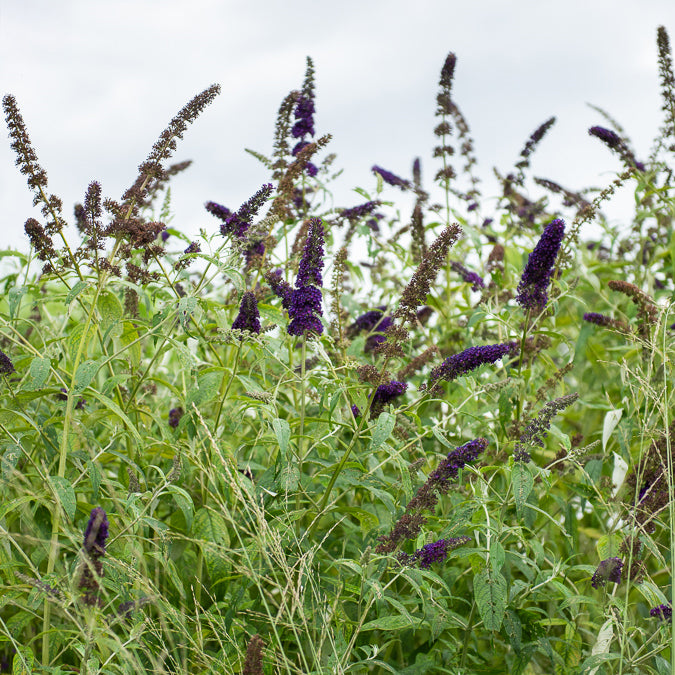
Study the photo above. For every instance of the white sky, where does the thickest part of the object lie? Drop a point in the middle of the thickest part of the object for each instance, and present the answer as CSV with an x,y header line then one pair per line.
x,y
97,82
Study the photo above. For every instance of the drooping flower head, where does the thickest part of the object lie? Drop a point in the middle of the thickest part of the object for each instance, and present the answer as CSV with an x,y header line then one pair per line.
x,y
96,533
248,317
391,178
437,551
608,570
468,360
305,304
467,275
533,286
617,144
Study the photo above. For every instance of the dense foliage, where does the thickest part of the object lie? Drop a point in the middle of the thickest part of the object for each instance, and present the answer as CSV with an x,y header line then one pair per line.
x,y
253,453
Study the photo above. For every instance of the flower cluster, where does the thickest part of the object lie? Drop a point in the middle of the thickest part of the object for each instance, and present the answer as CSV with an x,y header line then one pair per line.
x,y
282,289
608,570
537,429
663,612
468,360
437,551
374,322
533,286
385,394
236,224
95,536
615,143
253,664
305,303
606,321
304,117
356,212
175,415
248,317
391,178
470,277
410,523
6,366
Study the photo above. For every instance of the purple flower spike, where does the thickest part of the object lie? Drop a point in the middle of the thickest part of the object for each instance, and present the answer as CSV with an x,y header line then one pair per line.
x,y
663,612
608,570
448,469
248,317
533,286
305,304
6,366
391,178
386,393
470,277
615,143
220,212
437,551
238,223
304,114
175,415
282,289
96,533
470,359
356,212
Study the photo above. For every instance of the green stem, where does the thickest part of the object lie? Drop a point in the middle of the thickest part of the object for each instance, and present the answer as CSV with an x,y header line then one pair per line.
x,y
227,389
302,424
467,637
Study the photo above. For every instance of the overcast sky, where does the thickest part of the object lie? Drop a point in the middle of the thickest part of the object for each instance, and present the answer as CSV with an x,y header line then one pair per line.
x,y
97,82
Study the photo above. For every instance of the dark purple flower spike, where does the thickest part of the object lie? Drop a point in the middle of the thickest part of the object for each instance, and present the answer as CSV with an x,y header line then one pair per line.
x,y
305,303
248,317
533,286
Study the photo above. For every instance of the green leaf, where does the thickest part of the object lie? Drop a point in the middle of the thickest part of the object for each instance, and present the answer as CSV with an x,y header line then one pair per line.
x,y
211,533
9,459
22,663
184,502
75,291
283,433
289,476
368,521
95,477
84,375
14,299
611,420
497,557
514,629
388,623
522,483
208,385
110,310
608,546
130,339
113,407
383,428
490,593
65,494
441,438
38,373
186,308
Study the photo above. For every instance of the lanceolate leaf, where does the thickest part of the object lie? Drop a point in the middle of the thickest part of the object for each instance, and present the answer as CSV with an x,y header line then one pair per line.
x,y
490,593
